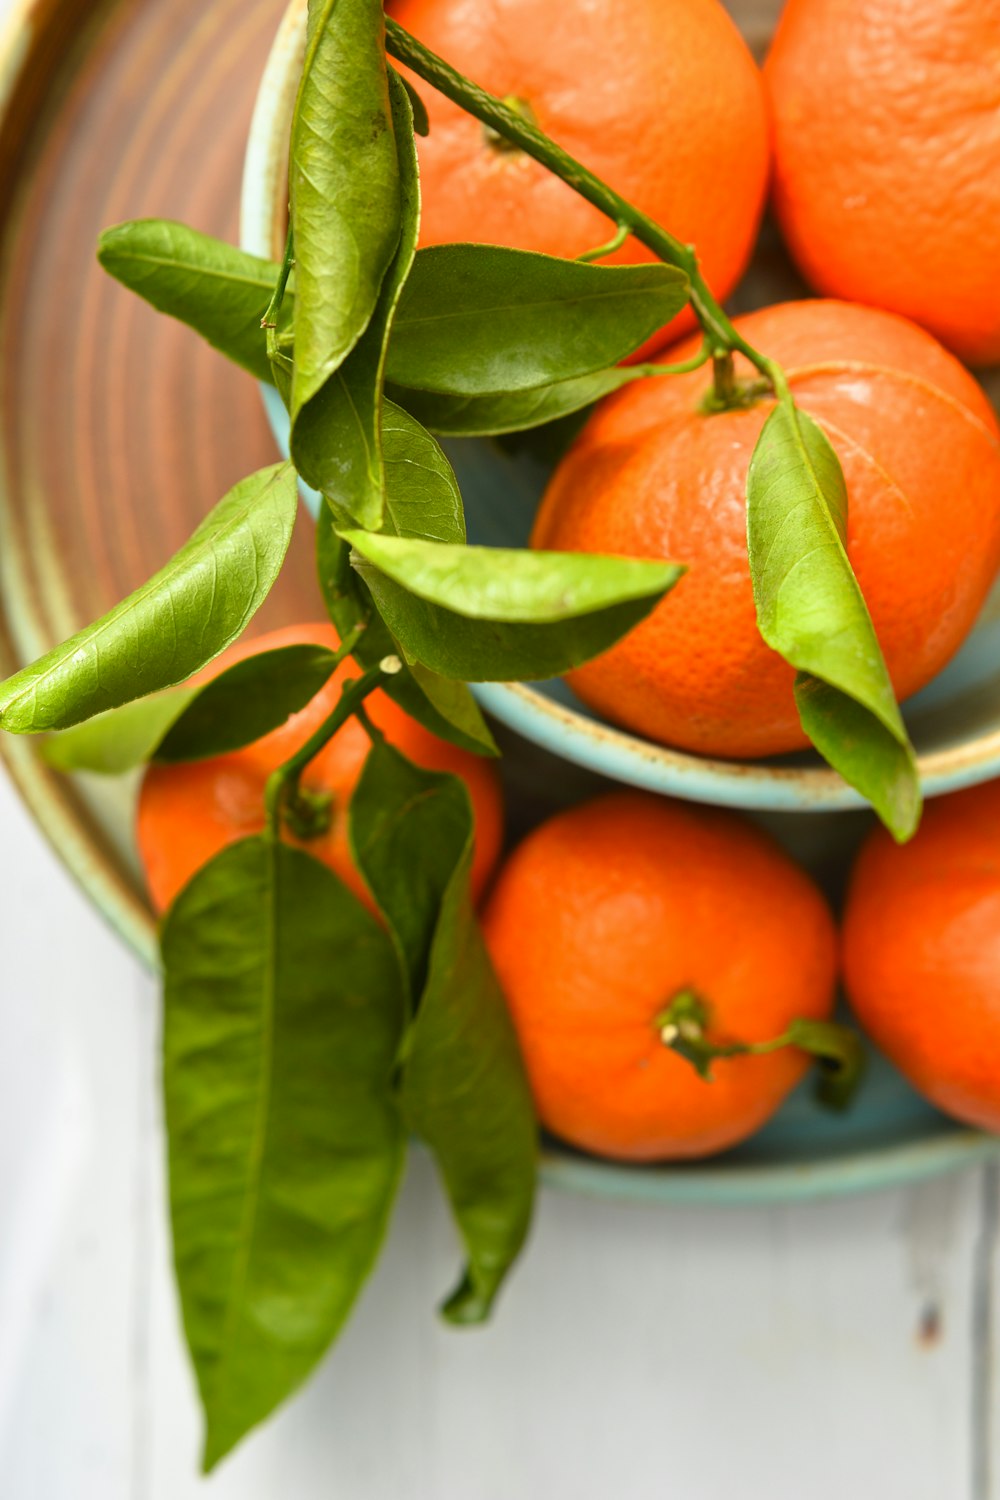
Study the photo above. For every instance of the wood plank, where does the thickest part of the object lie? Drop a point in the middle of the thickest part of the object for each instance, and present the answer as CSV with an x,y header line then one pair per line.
x,y
74,1080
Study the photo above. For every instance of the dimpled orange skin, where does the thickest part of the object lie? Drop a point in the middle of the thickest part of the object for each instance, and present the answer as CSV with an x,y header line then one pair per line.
x,y
595,923
651,476
662,101
187,813
887,158
921,952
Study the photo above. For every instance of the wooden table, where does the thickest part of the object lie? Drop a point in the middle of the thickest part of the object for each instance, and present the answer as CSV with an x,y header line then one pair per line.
x,y
815,1353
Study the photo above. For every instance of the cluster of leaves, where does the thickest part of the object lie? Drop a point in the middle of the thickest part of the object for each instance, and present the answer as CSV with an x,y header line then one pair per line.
x,y
304,1039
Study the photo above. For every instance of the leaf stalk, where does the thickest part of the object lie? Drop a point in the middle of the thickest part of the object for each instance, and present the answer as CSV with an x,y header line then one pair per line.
x,y
839,1052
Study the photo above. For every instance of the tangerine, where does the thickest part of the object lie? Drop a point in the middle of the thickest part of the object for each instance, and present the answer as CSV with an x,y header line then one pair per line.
x,y
607,914
921,952
662,101
188,812
654,475
887,158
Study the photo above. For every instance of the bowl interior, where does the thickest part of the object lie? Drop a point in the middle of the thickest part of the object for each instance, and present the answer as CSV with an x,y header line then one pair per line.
x,y
890,1134
954,721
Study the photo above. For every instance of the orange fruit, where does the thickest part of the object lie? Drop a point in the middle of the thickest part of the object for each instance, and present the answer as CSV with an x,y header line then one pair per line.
x,y
188,812
921,952
651,475
662,101
887,158
605,914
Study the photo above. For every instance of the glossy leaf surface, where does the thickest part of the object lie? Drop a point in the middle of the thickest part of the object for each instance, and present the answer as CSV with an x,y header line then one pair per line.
x,y
464,1089
486,614
422,494
173,625
476,319
344,187
239,706
218,290
443,706
337,439
510,411
811,610
282,1020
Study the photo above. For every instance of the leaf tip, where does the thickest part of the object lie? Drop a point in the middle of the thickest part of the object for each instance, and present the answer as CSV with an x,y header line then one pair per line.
x,y
467,1306
216,1446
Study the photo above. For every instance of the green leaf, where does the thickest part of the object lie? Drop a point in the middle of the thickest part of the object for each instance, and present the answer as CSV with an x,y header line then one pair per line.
x,y
488,614
811,610
173,625
219,291
511,411
422,494
464,1089
479,319
344,188
247,701
337,439
241,705
118,740
444,707
281,1025
421,124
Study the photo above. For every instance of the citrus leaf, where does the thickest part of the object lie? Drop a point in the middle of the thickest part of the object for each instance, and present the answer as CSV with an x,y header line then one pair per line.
x,y
445,707
173,625
219,291
421,123
337,438
344,188
422,494
510,411
282,1017
477,319
463,1089
488,614
811,610
247,701
116,741
241,705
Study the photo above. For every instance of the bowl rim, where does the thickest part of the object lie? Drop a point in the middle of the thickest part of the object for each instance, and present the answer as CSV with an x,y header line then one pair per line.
x,y
570,733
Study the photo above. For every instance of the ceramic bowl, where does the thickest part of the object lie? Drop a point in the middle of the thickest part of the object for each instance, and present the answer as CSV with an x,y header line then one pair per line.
x,y
890,1135
954,722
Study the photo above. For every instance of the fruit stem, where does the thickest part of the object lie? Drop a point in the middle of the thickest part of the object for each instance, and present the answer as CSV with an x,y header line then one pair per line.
x,y
508,123
282,788
838,1051
270,319
371,730
495,138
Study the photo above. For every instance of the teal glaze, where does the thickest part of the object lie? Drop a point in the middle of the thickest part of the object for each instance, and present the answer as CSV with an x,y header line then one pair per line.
x,y
890,1136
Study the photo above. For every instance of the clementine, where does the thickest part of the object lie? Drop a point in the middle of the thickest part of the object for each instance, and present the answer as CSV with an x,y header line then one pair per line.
x,y
921,952
663,101
887,158
607,914
188,812
653,475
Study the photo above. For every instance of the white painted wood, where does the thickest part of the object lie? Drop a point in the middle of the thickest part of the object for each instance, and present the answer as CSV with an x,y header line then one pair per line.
x,y
70,1170
639,1352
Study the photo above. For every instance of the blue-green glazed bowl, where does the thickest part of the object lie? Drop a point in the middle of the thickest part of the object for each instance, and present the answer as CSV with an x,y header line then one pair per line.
x,y
890,1135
